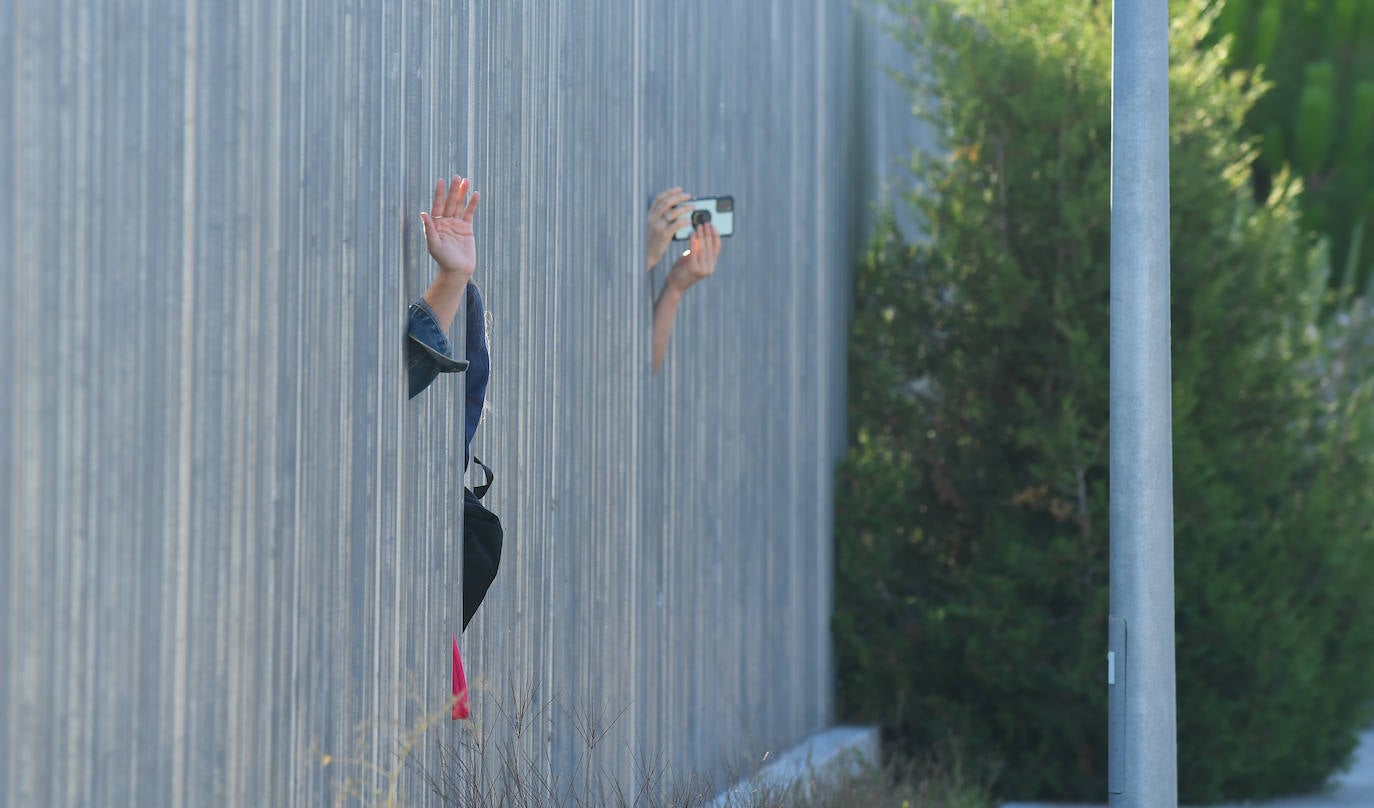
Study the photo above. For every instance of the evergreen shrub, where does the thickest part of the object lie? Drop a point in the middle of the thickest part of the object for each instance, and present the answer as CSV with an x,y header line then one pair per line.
x,y
1318,116
972,512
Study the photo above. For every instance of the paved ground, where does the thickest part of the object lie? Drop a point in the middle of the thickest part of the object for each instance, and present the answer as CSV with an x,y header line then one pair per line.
x,y
1354,789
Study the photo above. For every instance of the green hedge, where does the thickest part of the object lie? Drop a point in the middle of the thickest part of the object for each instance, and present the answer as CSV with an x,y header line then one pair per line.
x,y
972,510
1318,116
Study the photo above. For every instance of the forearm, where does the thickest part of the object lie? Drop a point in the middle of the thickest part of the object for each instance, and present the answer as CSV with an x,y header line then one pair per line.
x,y
665,311
444,296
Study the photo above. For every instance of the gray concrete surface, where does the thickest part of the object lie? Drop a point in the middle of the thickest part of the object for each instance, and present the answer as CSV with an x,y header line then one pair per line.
x,y
230,558
1352,789
819,759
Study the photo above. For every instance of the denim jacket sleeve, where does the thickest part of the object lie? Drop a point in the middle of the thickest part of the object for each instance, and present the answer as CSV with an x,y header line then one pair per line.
x,y
479,361
427,349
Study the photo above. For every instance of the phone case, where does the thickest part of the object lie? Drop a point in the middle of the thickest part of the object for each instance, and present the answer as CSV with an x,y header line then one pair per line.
x,y
724,220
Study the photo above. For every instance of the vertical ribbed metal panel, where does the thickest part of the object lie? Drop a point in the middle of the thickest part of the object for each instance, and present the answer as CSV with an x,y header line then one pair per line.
x,y
231,545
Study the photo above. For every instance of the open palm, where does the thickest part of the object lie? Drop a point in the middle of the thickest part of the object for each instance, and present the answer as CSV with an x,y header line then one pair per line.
x,y
448,227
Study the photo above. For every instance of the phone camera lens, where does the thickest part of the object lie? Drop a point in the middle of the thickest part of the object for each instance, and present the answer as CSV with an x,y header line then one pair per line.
x,y
700,217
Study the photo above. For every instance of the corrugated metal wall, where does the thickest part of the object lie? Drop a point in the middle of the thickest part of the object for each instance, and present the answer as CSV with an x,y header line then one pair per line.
x,y
230,555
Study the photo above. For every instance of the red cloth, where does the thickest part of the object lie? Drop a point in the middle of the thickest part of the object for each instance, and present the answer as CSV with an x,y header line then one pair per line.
x,y
460,686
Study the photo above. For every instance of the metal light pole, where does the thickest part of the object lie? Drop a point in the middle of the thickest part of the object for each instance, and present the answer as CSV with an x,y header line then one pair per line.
x,y
1143,748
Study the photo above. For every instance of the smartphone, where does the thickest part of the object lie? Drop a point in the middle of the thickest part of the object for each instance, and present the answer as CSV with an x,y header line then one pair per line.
x,y
718,210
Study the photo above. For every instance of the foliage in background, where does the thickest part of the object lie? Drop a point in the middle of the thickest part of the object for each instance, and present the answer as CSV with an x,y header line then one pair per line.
x,y
972,513
1318,117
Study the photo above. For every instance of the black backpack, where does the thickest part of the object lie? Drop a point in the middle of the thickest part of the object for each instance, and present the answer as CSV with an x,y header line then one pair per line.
x,y
482,537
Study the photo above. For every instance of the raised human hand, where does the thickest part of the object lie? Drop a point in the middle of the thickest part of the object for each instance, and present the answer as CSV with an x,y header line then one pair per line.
x,y
667,215
699,261
448,228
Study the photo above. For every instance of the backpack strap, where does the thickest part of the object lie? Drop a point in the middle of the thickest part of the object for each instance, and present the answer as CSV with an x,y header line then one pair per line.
x,y
481,490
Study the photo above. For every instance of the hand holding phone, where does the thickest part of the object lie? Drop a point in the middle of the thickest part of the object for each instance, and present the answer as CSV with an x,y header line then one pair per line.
x,y
667,214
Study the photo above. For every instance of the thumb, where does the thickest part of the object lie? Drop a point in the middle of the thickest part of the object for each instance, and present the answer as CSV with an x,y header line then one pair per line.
x,y
427,224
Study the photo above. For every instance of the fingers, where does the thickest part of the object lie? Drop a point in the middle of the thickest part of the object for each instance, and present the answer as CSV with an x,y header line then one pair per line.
x,y
670,224
453,200
677,207
656,207
437,206
668,200
661,201
457,191
714,236
710,246
679,214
